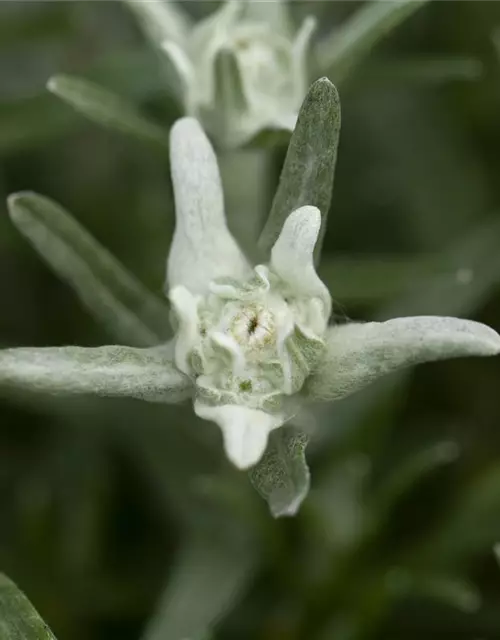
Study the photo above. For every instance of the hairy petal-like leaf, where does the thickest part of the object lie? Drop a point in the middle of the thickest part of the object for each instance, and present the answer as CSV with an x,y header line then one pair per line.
x,y
106,108
209,575
292,254
161,19
130,312
357,354
245,431
146,374
203,247
19,620
349,44
307,174
282,475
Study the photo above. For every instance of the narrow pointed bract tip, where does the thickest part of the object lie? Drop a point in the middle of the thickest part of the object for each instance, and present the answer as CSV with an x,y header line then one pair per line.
x,y
309,215
14,200
492,338
324,81
288,510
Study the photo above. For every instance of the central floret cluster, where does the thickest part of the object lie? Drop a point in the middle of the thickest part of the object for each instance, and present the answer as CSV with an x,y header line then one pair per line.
x,y
249,346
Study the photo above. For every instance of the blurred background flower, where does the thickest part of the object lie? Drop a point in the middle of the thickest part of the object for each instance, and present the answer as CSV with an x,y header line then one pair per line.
x,y
120,519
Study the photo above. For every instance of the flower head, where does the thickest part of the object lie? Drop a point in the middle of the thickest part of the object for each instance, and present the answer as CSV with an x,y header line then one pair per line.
x,y
247,338
242,72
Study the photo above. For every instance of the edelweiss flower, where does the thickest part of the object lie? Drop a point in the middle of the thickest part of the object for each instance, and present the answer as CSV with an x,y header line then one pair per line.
x,y
239,70
247,338
251,345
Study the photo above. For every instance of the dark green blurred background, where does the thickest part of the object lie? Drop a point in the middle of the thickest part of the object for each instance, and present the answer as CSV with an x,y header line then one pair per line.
x,y
104,504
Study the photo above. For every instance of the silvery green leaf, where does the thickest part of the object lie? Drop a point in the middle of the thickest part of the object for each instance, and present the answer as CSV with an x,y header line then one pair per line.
x,y
210,574
106,108
275,13
161,20
307,174
346,47
114,296
282,475
202,248
146,374
19,620
358,354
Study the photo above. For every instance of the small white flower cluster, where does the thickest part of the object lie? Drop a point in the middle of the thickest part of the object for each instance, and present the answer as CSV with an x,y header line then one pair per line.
x,y
249,346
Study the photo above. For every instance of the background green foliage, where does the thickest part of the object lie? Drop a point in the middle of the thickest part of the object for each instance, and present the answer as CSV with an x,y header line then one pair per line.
x,y
119,518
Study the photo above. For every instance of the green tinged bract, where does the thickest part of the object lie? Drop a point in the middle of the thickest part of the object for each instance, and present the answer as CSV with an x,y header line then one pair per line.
x,y
253,345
